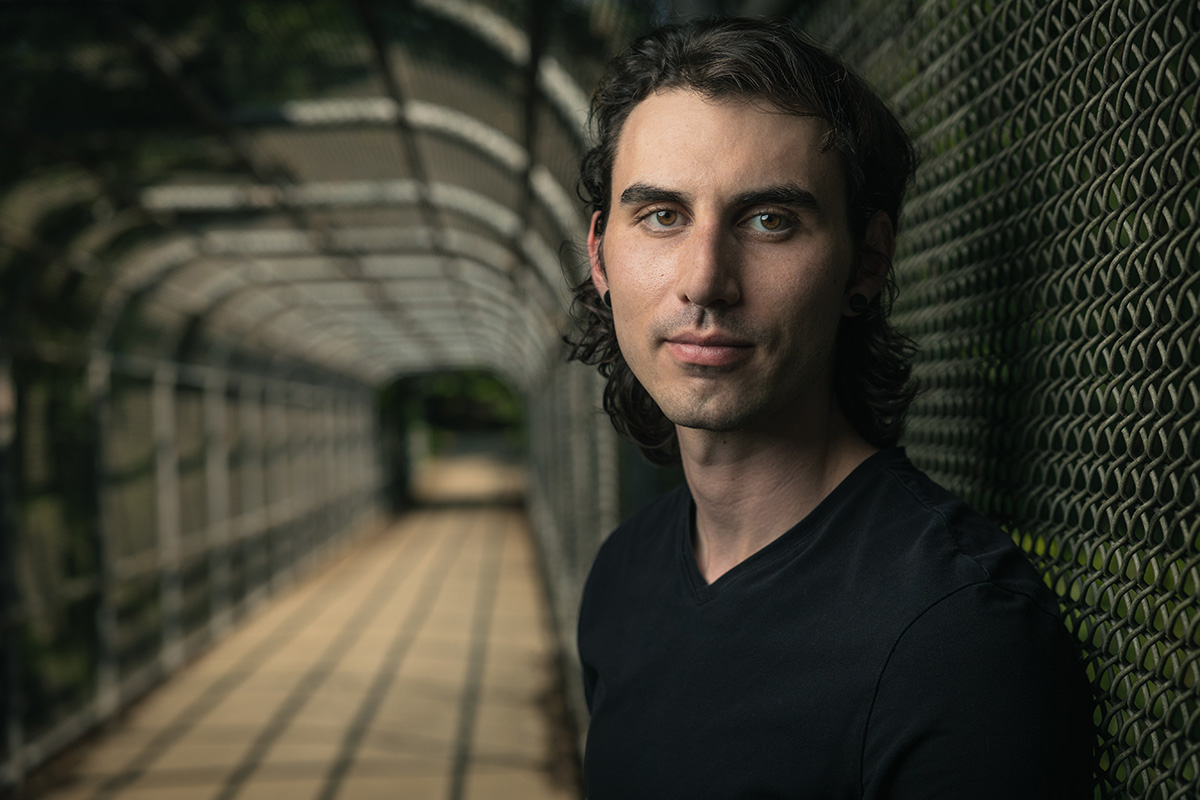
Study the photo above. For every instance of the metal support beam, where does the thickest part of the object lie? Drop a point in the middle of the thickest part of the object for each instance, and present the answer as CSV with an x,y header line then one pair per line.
x,y
99,377
608,483
252,516
389,73
279,501
581,518
170,538
11,710
326,467
216,476
157,54
536,24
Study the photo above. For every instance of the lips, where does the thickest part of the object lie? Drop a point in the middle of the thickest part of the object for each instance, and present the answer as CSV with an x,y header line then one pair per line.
x,y
708,351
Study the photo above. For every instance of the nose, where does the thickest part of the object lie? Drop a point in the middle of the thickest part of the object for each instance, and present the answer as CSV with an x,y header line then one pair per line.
x,y
708,272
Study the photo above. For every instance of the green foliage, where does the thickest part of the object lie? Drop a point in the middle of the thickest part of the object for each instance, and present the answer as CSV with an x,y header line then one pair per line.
x,y
465,401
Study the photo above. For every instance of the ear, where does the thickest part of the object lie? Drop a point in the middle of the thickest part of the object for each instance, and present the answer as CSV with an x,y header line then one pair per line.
x,y
874,261
599,279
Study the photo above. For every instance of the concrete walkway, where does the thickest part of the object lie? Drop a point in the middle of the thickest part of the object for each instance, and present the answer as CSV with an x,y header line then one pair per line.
x,y
418,666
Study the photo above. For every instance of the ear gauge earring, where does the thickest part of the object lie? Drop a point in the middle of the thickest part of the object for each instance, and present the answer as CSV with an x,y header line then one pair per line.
x,y
859,303
608,299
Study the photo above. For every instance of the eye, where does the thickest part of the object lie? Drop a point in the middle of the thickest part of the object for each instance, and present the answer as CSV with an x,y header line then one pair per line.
x,y
665,217
769,223
661,220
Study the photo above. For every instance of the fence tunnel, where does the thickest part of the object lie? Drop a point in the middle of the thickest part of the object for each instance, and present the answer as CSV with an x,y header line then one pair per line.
x,y
233,234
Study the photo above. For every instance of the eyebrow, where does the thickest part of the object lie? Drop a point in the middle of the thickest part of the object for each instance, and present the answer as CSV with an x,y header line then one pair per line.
x,y
644,193
784,194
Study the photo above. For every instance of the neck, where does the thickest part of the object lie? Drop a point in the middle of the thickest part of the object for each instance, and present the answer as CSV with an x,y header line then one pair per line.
x,y
750,487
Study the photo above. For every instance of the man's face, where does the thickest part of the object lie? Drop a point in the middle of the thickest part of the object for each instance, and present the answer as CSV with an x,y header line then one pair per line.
x,y
728,255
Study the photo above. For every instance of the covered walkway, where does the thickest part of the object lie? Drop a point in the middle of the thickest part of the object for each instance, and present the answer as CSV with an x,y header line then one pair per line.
x,y
235,233
419,664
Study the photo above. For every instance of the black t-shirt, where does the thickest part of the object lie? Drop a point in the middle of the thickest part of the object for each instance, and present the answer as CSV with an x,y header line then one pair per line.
x,y
893,644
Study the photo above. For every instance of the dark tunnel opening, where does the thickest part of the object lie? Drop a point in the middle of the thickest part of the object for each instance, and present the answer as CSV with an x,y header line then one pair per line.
x,y
448,415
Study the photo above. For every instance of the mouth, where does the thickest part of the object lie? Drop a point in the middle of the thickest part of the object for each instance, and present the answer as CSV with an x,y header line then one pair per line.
x,y
708,351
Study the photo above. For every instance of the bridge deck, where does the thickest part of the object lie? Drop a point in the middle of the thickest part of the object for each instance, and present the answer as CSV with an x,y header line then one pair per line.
x,y
420,665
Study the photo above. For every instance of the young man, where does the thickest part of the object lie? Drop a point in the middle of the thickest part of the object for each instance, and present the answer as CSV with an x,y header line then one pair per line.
x,y
809,616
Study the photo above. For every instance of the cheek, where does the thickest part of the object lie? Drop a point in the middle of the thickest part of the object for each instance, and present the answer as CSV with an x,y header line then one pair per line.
x,y
810,289
631,317
636,275
830,281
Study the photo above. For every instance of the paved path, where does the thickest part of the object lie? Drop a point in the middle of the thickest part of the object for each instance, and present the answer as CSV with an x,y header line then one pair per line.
x,y
419,666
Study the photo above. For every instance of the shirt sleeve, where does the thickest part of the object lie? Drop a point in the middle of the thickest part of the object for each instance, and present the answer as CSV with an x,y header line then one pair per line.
x,y
983,696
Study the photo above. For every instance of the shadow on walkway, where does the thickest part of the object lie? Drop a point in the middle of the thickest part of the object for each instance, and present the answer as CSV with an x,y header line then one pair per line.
x,y
421,665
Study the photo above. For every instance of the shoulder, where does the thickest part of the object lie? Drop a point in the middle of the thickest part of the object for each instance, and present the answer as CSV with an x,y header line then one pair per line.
x,y
983,634
964,584
633,563
933,544
980,672
649,530
644,543
983,695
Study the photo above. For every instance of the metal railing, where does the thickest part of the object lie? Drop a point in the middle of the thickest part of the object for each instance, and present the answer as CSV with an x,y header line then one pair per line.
x,y
147,507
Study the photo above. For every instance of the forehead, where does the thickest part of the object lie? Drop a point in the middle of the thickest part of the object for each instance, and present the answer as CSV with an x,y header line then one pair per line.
x,y
680,136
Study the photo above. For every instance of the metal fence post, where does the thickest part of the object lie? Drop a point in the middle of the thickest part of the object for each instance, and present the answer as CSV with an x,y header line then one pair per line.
x,y
99,378
253,516
216,475
166,469
11,770
347,482
326,474
608,479
304,489
279,502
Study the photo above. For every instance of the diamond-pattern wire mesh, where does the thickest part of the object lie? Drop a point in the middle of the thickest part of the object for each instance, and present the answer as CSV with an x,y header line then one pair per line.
x,y
1049,273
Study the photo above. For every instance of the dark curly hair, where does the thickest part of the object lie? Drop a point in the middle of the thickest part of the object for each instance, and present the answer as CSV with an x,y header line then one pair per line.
x,y
771,61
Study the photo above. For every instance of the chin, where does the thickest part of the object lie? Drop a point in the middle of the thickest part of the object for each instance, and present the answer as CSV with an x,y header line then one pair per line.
x,y
716,421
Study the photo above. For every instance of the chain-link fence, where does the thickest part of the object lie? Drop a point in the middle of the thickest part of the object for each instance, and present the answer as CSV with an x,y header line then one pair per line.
x,y
1049,272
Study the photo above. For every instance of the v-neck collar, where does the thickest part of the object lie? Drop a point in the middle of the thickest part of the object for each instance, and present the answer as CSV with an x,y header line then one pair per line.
x,y
778,549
